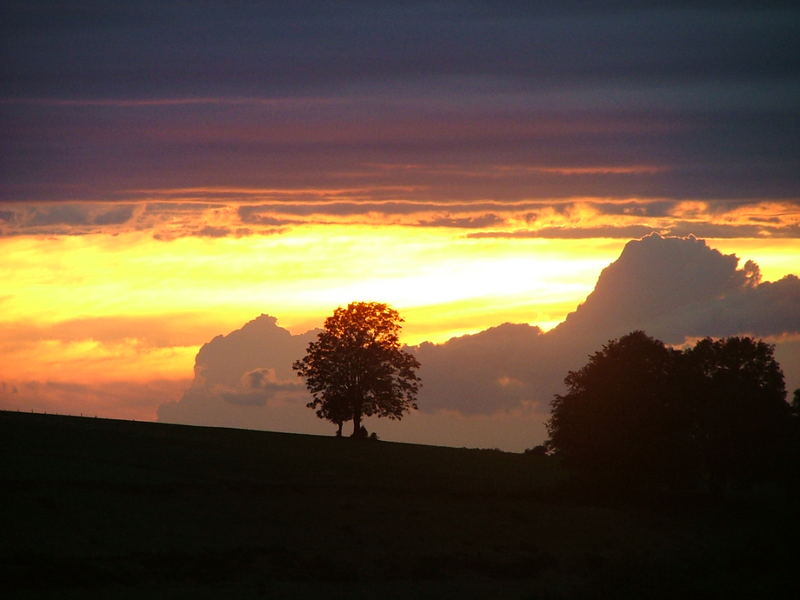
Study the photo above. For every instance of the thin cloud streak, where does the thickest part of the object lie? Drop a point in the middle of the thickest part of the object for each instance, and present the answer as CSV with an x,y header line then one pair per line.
x,y
236,212
701,229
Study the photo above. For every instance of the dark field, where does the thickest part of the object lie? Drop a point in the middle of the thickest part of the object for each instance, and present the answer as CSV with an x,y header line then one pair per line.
x,y
95,508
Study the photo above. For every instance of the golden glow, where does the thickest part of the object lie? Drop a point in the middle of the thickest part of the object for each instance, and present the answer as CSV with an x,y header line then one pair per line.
x,y
128,310
165,298
128,307
89,360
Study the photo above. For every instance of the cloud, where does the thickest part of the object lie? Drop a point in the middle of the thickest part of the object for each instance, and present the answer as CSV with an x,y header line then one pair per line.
x,y
249,367
665,227
256,388
656,276
262,398
68,217
679,287
115,216
676,289
555,46
523,100
213,232
728,230
767,310
481,373
237,212
259,344
567,232
486,220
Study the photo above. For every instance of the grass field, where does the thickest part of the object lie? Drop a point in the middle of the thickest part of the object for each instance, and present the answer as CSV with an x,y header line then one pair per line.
x,y
96,508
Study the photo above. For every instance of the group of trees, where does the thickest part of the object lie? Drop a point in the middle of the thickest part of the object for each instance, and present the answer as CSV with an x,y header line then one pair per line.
x,y
638,413
641,413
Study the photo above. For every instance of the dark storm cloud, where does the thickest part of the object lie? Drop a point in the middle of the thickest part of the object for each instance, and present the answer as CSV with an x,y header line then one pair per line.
x,y
100,98
153,48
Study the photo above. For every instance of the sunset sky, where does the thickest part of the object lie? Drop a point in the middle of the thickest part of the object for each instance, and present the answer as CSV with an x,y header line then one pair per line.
x,y
170,171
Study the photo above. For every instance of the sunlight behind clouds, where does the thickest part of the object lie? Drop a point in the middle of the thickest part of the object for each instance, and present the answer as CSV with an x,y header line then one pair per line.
x,y
164,298
298,277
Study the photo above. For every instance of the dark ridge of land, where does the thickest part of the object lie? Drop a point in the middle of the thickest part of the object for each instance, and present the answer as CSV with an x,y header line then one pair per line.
x,y
97,508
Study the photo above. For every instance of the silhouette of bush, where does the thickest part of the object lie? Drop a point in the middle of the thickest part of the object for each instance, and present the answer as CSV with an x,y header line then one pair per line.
x,y
539,450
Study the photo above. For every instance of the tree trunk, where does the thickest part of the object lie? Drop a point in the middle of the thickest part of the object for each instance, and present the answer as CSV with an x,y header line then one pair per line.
x,y
357,424
339,430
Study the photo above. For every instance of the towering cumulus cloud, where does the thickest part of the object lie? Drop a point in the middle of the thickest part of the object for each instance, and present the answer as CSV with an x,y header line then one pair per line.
x,y
678,288
245,379
674,288
502,379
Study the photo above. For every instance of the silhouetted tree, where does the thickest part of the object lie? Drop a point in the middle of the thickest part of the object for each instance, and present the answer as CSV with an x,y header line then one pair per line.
x,y
642,412
796,403
792,458
741,414
336,409
357,369
619,420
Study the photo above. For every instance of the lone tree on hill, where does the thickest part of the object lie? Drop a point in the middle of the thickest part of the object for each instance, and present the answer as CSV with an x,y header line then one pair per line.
x,y
357,369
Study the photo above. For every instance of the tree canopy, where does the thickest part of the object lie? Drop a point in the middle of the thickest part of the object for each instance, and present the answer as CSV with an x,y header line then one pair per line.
x,y
356,367
617,418
739,405
641,412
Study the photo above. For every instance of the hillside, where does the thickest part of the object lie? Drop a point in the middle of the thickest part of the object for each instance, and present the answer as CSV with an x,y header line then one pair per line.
x,y
104,508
